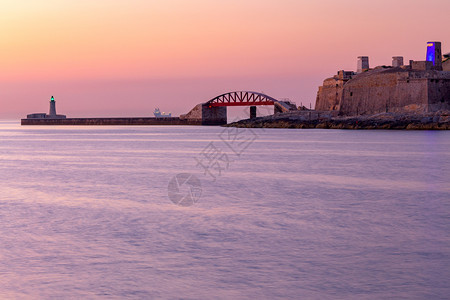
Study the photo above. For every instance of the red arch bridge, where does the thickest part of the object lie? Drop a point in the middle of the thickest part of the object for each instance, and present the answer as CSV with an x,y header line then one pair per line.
x,y
214,111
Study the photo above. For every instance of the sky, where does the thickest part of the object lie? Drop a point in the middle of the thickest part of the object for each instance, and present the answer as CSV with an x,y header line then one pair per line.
x,y
127,57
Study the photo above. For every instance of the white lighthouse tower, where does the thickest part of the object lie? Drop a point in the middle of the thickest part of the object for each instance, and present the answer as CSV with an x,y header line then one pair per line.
x,y
52,113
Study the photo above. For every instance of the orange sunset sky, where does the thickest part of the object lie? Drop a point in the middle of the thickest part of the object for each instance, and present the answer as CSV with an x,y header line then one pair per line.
x,y
124,58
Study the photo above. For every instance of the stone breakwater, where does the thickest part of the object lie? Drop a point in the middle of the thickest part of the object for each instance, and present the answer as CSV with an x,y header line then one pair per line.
x,y
110,121
330,120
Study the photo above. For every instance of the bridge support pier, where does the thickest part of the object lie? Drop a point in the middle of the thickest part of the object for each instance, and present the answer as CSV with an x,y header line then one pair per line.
x,y
252,112
214,115
207,115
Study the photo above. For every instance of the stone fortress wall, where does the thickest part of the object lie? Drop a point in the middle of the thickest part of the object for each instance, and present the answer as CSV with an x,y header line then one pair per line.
x,y
421,86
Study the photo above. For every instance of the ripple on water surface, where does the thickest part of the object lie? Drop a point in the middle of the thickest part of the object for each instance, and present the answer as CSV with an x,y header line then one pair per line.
x,y
84,212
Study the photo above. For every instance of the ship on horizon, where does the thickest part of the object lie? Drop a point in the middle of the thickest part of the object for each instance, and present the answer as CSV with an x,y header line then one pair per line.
x,y
158,114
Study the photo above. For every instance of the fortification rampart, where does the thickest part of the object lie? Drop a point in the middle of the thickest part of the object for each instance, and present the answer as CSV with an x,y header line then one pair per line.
x,y
391,90
421,86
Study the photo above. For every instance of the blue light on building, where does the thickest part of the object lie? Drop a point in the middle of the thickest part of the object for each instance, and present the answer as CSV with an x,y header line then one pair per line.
x,y
431,54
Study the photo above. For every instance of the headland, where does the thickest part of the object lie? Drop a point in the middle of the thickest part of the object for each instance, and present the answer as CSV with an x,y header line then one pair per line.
x,y
329,120
400,96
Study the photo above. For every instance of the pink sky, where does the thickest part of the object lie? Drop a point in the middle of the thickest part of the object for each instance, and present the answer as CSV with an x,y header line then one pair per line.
x,y
124,58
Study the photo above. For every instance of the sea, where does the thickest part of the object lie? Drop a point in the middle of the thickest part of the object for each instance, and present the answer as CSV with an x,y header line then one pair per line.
x,y
204,212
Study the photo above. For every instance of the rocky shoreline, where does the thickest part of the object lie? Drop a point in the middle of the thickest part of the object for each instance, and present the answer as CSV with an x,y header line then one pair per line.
x,y
330,120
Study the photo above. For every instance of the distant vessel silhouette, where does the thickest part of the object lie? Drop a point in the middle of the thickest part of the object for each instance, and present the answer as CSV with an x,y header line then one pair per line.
x,y
158,114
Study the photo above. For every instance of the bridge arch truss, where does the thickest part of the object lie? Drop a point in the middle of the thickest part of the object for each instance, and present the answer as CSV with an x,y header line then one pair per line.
x,y
241,98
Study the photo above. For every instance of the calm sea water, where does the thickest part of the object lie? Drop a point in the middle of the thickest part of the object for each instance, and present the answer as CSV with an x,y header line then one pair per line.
x,y
305,214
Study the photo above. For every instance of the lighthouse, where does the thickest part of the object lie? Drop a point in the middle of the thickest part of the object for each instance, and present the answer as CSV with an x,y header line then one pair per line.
x,y
52,113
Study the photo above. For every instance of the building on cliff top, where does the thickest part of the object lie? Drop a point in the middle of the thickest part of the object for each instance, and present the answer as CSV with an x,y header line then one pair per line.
x,y
420,86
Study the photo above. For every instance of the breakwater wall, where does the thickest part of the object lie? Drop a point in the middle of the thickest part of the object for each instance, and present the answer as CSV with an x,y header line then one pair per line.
x,y
111,121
